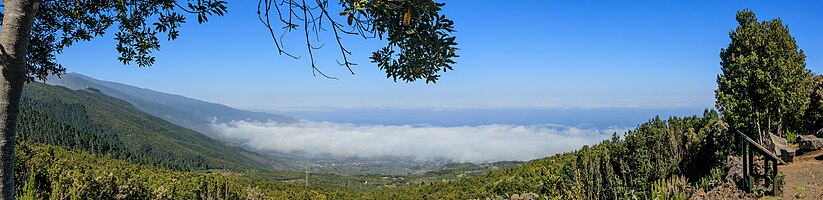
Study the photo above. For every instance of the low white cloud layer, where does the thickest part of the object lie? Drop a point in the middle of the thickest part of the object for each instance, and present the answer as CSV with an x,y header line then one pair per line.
x,y
478,144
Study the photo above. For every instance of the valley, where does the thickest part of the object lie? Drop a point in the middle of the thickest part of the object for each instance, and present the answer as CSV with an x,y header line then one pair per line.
x,y
199,116
128,134
410,99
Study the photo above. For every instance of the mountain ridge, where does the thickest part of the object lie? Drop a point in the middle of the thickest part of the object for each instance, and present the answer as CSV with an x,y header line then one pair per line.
x,y
181,110
145,138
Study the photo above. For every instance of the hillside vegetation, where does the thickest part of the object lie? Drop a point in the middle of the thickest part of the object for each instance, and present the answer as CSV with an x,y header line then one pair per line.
x,y
183,111
639,166
49,172
82,144
92,121
77,141
74,143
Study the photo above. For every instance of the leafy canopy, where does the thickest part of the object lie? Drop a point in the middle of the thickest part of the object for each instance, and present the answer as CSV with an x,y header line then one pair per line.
x,y
59,24
814,115
764,83
419,45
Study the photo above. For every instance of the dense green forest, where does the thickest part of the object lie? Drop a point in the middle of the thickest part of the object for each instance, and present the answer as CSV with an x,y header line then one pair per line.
x,y
635,166
64,139
68,150
85,145
92,121
50,172
82,144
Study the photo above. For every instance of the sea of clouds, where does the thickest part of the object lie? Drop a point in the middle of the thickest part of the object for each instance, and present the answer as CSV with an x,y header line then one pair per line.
x,y
477,144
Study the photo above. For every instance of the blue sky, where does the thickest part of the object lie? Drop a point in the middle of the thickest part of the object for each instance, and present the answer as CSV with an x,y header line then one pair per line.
x,y
515,55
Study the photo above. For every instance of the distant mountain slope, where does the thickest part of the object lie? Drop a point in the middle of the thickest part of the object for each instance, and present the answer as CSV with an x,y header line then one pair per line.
x,y
90,120
187,112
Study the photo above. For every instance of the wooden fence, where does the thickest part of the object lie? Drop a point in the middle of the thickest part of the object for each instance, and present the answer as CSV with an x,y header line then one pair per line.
x,y
748,157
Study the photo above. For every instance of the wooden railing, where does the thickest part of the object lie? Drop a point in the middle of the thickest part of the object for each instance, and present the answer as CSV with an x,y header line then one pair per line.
x,y
748,157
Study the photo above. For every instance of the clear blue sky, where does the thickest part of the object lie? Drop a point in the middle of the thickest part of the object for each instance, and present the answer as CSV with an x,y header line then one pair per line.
x,y
513,54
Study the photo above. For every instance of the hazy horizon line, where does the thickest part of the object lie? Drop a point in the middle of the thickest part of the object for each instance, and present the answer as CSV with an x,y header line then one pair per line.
x,y
458,108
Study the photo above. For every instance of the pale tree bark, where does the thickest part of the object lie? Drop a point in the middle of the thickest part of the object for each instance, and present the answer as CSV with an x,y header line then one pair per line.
x,y
14,42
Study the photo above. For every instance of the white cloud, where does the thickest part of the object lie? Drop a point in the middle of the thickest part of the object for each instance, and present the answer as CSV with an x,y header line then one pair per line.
x,y
485,143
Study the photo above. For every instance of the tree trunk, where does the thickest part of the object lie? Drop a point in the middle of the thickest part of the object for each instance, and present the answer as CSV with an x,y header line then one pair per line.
x,y
759,128
779,122
14,43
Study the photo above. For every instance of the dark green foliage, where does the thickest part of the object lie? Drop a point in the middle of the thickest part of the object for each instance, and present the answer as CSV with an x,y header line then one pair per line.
x,y
458,170
814,115
29,191
91,121
59,24
656,151
419,45
660,158
764,85
50,172
65,125
419,41
186,112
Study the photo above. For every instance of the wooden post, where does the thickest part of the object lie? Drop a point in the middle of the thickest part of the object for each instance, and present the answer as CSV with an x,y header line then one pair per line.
x,y
750,159
766,168
774,178
745,161
749,145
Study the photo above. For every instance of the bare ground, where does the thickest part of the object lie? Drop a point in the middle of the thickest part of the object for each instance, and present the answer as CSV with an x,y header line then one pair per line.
x,y
803,180
804,176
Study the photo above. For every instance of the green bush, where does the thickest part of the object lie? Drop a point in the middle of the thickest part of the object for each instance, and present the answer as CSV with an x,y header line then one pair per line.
x,y
675,188
790,136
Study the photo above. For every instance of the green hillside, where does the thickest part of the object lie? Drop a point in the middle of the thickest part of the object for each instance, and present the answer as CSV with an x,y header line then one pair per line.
x,y
186,112
660,159
50,172
118,151
122,152
92,121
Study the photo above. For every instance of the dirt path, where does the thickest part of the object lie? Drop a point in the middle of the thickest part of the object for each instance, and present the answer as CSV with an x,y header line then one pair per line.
x,y
804,176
